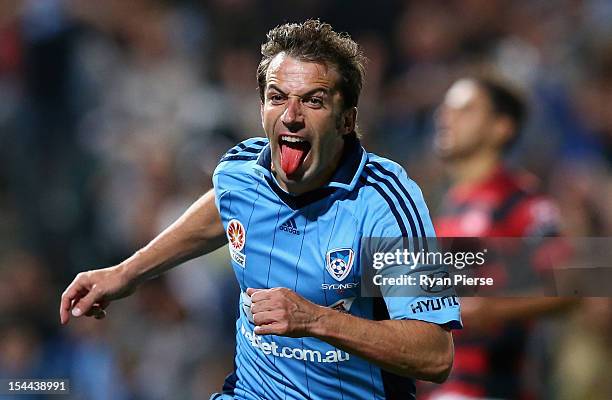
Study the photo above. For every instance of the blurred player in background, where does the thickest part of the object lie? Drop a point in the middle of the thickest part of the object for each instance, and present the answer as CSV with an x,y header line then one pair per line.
x,y
295,207
477,123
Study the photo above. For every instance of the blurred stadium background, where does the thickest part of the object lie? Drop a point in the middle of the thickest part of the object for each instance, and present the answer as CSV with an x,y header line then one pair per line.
x,y
114,113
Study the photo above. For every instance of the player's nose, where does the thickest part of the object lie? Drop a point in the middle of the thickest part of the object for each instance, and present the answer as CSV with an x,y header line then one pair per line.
x,y
292,117
442,117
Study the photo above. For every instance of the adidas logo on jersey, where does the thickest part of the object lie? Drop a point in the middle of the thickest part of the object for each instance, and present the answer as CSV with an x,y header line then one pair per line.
x,y
290,226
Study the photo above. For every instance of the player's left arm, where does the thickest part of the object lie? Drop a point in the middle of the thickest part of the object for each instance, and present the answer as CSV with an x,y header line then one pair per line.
x,y
539,219
412,348
502,310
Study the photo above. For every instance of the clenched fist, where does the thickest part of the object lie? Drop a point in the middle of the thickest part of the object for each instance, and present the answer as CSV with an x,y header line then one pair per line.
x,y
281,311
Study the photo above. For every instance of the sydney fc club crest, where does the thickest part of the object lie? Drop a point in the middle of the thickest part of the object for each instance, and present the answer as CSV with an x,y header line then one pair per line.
x,y
236,235
339,263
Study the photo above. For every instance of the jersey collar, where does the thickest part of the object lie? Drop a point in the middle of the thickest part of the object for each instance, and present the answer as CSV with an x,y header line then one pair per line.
x,y
346,176
351,165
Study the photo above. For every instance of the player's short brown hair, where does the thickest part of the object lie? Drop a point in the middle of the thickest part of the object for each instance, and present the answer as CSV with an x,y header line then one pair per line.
x,y
506,100
316,41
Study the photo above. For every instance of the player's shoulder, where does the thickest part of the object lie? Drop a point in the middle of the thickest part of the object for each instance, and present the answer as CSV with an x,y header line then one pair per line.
x,y
528,207
382,163
537,215
381,172
238,156
246,150
236,166
392,199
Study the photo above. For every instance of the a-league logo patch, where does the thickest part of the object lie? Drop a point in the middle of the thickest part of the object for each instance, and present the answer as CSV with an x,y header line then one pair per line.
x,y
339,263
236,235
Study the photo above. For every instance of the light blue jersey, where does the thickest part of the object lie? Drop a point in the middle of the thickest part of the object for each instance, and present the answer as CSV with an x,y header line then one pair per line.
x,y
280,240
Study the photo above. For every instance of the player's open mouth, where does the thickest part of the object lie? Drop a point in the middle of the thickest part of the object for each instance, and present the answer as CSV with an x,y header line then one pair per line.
x,y
293,151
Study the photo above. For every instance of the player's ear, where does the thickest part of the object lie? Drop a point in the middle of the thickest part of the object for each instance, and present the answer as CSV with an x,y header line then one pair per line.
x,y
503,130
349,120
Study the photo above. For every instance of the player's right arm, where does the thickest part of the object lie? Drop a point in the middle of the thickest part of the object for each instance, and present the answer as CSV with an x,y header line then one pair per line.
x,y
198,231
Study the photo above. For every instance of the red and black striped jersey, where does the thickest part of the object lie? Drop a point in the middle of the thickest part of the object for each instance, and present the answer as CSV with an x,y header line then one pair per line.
x,y
505,204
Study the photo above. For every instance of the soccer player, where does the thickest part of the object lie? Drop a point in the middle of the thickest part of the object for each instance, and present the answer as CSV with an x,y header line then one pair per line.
x,y
295,207
478,121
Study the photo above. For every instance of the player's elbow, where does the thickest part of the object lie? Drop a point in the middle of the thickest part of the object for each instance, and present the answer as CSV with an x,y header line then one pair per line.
x,y
444,360
435,369
437,366
442,367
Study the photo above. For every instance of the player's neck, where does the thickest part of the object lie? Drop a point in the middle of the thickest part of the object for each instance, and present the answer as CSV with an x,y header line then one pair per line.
x,y
474,169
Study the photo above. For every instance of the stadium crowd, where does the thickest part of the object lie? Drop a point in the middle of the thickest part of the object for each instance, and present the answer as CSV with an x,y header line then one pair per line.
x,y
114,114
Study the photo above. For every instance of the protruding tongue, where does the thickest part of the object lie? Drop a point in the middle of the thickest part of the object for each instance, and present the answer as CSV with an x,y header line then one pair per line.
x,y
292,156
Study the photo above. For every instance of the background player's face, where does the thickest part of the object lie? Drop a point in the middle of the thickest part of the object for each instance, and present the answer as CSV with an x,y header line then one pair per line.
x,y
304,120
464,122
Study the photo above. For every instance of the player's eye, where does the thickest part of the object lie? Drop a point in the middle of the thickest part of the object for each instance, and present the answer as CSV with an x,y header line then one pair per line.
x,y
276,98
314,102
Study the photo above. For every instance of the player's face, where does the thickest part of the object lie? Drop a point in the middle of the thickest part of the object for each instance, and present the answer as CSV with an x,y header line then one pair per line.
x,y
304,120
464,122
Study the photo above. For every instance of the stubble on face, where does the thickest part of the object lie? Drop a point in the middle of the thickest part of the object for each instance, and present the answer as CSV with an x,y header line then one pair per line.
x,y
462,122
302,117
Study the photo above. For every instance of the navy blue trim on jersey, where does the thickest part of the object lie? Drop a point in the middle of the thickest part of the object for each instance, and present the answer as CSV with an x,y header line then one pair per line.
x,y
396,387
243,152
370,172
349,163
229,385
257,145
410,199
265,158
254,150
297,202
380,190
238,158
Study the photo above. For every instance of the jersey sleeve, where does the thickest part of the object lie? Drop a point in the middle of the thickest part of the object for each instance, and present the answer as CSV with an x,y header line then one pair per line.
x,y
246,150
229,173
400,221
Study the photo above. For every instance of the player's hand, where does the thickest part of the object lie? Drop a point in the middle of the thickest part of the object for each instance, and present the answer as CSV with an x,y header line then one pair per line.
x,y
91,292
281,311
